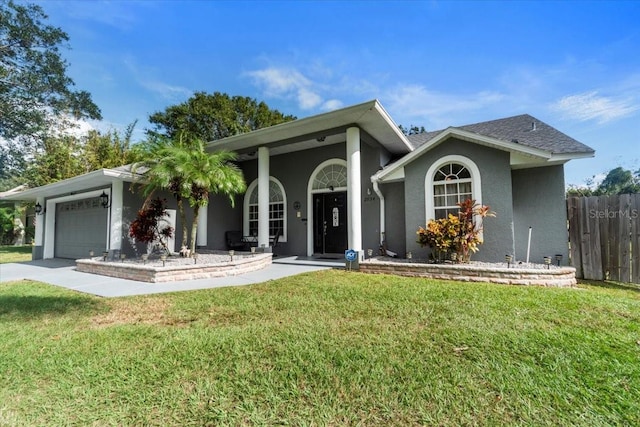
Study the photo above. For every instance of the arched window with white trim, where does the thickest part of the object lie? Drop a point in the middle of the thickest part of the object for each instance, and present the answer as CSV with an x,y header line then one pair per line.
x,y
449,181
277,209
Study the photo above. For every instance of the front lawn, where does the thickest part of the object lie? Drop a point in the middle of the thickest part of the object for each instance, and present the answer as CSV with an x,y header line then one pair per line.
x,y
15,254
325,348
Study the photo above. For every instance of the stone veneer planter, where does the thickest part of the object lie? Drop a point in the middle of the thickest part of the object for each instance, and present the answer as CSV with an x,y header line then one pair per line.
x,y
173,273
481,272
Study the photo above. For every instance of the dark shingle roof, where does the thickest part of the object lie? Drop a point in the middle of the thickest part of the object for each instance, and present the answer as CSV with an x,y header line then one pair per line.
x,y
517,128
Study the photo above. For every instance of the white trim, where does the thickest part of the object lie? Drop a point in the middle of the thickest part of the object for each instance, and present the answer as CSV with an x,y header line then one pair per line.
x,y
50,227
476,184
245,207
370,116
115,216
354,191
203,223
311,192
98,178
263,196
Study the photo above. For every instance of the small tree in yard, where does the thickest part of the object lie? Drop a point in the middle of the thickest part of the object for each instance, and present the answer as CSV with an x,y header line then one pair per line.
x,y
456,234
148,227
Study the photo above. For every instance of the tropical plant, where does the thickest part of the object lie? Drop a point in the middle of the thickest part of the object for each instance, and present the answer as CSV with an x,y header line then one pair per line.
x,y
461,234
203,173
148,226
7,233
155,158
183,167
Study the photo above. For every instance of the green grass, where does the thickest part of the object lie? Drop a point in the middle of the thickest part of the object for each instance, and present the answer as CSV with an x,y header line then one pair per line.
x,y
326,348
14,254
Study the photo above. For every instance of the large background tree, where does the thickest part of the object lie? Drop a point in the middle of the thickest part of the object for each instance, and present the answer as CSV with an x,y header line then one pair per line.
x,y
617,181
33,75
37,97
214,116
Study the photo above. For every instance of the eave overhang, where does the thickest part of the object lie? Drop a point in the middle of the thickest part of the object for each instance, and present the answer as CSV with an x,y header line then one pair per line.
x,y
77,184
320,130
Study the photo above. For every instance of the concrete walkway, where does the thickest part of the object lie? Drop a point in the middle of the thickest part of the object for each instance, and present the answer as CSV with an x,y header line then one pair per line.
x,y
62,272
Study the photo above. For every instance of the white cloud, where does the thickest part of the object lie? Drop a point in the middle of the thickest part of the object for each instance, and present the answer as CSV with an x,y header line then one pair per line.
x,y
591,106
439,108
288,83
144,78
166,90
332,104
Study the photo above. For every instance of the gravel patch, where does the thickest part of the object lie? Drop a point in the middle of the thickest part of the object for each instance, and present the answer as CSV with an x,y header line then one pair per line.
x,y
516,265
203,258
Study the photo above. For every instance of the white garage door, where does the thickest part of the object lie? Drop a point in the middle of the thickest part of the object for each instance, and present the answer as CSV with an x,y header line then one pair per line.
x,y
81,226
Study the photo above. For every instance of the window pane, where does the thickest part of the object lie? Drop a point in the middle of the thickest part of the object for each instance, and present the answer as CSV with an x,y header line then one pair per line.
x,y
438,190
439,201
452,188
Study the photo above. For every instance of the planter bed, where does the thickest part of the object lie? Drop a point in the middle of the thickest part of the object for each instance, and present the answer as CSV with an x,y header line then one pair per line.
x,y
175,268
530,274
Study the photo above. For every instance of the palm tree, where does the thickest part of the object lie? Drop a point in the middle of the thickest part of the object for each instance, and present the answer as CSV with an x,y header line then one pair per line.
x,y
202,173
154,159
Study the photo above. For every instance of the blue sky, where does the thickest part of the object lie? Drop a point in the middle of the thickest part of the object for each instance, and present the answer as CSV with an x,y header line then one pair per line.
x,y
574,65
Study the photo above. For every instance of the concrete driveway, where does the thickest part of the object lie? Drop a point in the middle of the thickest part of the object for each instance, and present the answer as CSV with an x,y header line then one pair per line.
x,y
62,272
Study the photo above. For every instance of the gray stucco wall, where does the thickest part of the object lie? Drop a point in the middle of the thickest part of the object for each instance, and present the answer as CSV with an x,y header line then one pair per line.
x,y
395,218
495,172
539,203
294,170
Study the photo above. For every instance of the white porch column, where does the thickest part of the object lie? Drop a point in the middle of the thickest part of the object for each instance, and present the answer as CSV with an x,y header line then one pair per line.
x,y
354,190
263,197
39,224
203,221
115,220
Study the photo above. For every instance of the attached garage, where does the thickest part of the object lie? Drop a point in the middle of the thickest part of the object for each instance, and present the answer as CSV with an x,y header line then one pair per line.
x,y
81,226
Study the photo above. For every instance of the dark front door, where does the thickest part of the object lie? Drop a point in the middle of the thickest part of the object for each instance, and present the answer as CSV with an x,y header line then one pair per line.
x,y
330,223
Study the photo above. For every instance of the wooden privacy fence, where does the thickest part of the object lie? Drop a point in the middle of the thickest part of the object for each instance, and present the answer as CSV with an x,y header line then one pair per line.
x,y
604,237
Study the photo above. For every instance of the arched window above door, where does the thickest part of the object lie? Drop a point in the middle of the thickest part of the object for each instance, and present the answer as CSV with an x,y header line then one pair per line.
x,y
333,175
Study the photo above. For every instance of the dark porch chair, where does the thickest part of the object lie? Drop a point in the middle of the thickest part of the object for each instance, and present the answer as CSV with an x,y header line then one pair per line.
x,y
235,241
274,242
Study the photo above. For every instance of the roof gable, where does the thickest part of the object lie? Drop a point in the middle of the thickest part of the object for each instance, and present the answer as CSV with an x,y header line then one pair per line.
x,y
523,129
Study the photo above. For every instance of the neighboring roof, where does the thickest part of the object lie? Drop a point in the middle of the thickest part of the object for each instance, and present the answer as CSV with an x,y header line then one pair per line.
x,y
319,130
98,178
523,129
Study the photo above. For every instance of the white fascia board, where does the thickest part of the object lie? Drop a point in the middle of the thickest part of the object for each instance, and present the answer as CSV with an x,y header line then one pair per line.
x,y
571,156
394,126
286,130
91,179
358,115
385,174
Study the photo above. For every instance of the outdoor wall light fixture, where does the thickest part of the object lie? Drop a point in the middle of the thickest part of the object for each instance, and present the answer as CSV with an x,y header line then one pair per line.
x,y
104,200
509,259
39,210
558,259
